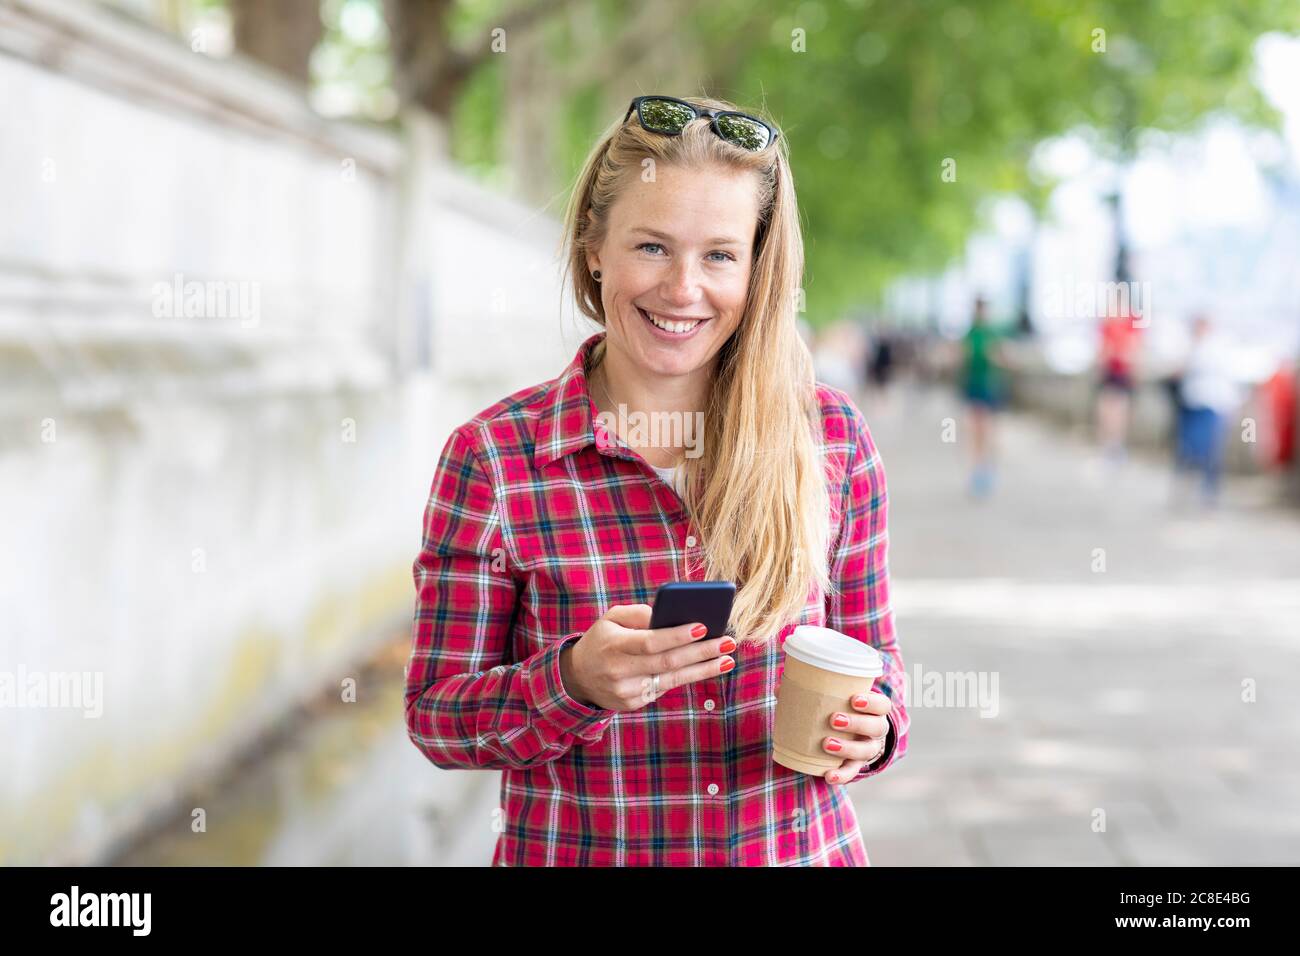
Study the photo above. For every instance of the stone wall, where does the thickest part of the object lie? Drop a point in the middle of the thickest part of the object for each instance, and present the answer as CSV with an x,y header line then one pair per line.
x,y
211,500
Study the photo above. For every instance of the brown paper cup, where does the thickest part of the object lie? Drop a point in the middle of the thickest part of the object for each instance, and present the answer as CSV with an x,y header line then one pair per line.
x,y
811,692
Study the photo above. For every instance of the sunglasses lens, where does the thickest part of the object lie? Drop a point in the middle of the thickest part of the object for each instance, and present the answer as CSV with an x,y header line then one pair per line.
x,y
665,116
744,132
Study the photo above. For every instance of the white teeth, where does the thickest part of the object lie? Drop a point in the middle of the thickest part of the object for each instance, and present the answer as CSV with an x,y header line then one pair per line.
x,y
669,326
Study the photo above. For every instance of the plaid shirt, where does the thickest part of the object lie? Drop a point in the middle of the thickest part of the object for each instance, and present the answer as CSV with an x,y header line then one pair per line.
x,y
535,526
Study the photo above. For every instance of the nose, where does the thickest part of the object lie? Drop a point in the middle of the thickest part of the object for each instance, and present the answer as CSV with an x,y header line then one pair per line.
x,y
681,288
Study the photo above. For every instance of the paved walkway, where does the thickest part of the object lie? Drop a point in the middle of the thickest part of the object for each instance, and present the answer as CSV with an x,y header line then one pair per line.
x,y
1119,685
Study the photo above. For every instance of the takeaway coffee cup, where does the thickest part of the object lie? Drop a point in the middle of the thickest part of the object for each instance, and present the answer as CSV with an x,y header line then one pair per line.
x,y
823,670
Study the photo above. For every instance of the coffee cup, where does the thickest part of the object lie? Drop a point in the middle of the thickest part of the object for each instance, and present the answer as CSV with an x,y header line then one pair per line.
x,y
824,669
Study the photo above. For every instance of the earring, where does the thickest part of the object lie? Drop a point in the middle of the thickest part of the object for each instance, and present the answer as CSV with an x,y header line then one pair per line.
x,y
596,275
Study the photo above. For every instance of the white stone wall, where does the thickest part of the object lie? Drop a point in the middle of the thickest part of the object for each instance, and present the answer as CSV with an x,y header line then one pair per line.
x,y
212,513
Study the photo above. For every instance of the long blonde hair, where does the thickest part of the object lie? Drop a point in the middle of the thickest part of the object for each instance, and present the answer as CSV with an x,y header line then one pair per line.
x,y
758,493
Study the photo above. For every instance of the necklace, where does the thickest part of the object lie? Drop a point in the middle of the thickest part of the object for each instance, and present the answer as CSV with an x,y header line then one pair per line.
x,y
613,404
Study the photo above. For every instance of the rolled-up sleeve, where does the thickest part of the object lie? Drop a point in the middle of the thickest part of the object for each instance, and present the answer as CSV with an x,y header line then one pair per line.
x,y
467,704
860,571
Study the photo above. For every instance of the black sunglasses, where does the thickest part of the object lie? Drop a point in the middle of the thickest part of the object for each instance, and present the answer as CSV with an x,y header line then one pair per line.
x,y
668,115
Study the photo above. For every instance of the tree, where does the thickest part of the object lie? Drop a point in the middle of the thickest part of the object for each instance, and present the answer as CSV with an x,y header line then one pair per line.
x,y
430,67
902,116
279,34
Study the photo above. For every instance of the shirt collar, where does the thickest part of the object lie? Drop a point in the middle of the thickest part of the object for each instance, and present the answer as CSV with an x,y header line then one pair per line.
x,y
564,424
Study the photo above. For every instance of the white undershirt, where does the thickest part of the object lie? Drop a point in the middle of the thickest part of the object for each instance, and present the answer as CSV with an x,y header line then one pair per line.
x,y
674,478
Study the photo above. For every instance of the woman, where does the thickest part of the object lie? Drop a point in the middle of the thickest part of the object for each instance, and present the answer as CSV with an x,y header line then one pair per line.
x,y
546,535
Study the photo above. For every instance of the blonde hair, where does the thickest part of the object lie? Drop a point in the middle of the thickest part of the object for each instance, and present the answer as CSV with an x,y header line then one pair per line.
x,y
758,493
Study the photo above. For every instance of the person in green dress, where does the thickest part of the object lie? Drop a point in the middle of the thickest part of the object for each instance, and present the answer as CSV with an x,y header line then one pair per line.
x,y
983,387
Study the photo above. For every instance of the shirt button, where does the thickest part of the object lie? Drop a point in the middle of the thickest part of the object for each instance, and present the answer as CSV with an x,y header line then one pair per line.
x,y
690,541
713,789
708,704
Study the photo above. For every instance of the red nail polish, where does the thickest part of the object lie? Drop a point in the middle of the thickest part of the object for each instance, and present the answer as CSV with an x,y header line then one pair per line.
x,y
833,745
727,664
699,630
859,701
840,721
728,645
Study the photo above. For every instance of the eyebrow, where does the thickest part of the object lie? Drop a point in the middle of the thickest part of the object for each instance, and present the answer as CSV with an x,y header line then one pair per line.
x,y
715,241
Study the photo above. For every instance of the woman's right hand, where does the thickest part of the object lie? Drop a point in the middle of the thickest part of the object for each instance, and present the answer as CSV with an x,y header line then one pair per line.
x,y
613,664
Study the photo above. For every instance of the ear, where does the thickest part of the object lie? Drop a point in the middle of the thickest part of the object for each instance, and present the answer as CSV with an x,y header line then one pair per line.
x,y
593,255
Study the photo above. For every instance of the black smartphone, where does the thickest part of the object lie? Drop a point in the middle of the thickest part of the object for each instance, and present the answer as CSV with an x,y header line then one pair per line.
x,y
688,602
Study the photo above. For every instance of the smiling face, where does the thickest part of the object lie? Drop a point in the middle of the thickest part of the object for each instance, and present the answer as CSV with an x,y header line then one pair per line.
x,y
675,265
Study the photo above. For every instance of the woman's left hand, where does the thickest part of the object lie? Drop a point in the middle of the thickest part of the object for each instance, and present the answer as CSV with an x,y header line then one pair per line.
x,y
860,734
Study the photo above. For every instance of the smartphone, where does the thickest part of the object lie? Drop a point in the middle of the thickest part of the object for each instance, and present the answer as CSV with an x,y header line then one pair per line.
x,y
688,602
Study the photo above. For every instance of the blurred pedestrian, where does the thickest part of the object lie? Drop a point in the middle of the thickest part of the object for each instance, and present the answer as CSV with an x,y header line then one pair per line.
x,y
880,367
982,386
1117,363
1173,387
1210,394
1276,401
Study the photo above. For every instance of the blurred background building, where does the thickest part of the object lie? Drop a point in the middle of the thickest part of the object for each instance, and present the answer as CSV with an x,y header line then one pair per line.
x,y
258,259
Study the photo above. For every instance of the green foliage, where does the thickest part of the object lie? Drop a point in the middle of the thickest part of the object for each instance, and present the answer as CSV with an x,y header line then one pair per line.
x,y
884,91
355,67
916,83
476,122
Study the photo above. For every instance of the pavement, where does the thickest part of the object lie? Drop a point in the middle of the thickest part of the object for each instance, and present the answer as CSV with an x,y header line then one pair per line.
x,y
1138,657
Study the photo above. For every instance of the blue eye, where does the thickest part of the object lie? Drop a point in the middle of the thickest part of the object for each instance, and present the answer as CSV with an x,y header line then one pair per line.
x,y
726,256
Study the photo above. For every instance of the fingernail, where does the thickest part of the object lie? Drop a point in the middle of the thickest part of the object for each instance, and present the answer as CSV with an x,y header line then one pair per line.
x,y
728,645
699,630
839,721
833,745
859,701
727,664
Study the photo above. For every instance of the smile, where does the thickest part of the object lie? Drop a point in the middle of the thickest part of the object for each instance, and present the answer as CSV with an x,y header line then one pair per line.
x,y
672,327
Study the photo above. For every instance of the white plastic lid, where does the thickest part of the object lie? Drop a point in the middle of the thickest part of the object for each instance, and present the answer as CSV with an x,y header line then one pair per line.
x,y
833,651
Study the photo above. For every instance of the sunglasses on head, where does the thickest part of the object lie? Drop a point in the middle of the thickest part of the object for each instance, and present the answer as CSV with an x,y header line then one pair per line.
x,y
667,115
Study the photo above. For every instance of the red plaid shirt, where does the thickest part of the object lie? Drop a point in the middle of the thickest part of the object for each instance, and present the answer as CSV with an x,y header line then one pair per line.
x,y
534,528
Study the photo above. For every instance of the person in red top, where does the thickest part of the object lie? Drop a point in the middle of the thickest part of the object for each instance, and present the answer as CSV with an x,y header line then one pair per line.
x,y
1277,400
1117,359
547,532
